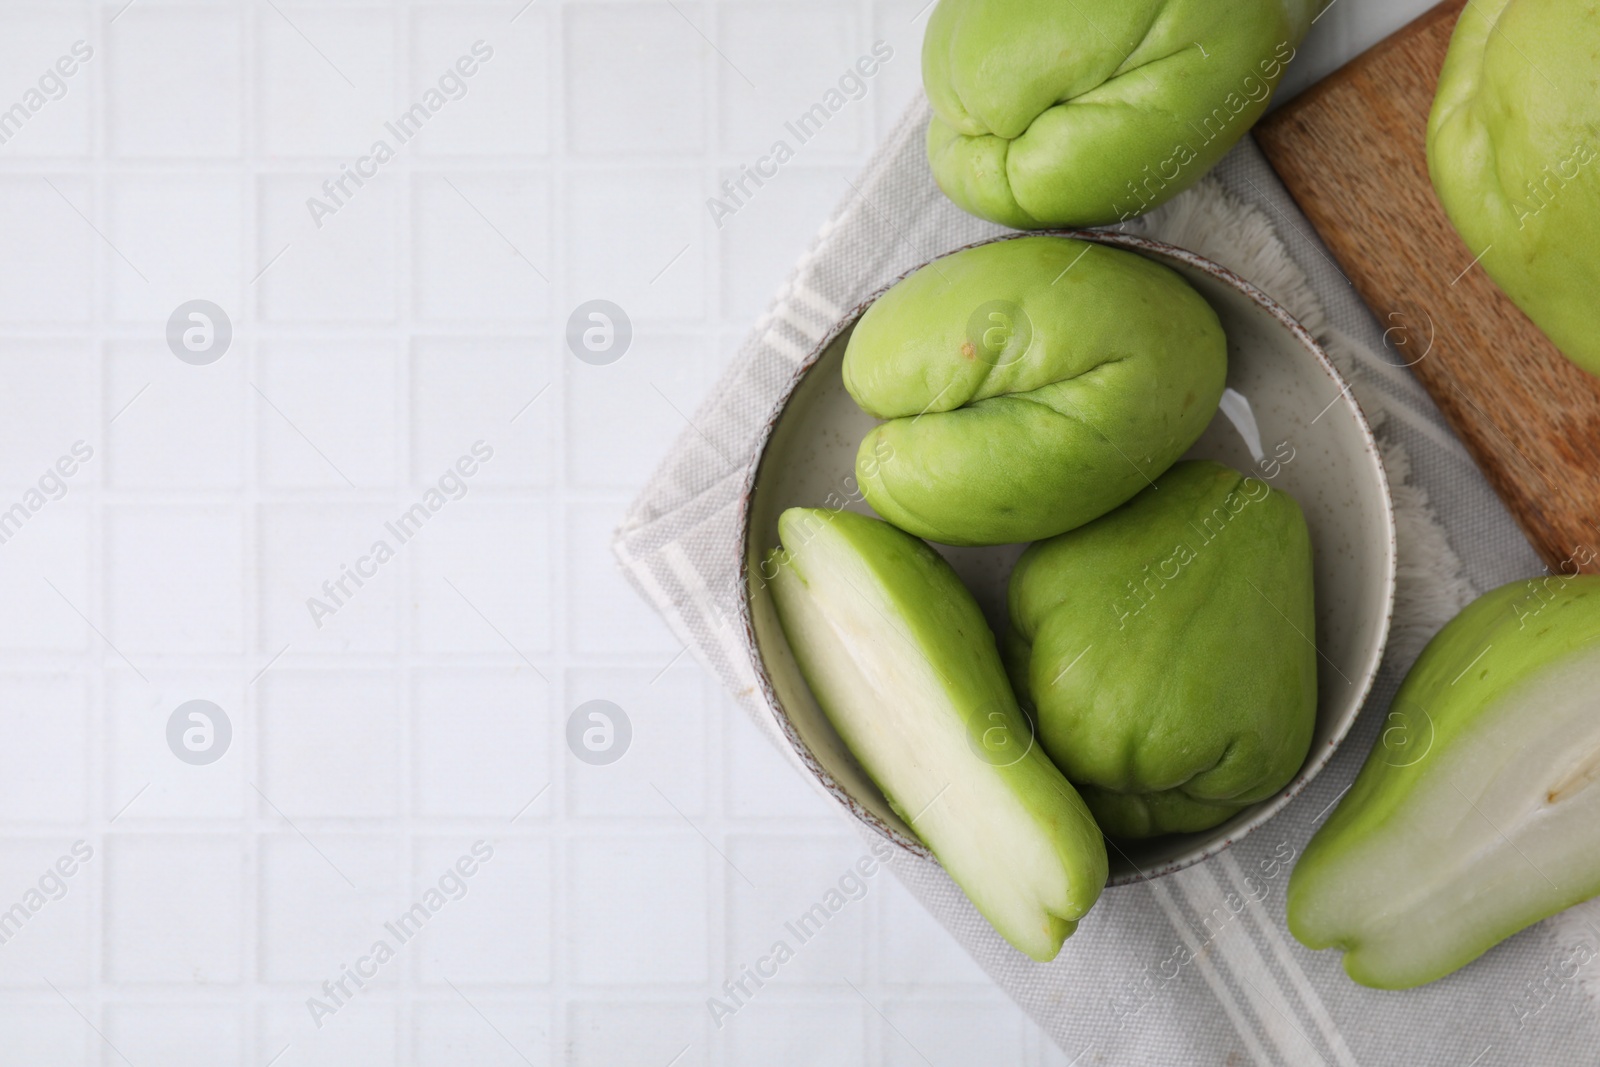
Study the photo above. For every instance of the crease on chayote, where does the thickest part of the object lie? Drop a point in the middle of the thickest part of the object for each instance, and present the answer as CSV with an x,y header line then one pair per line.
x,y
1092,112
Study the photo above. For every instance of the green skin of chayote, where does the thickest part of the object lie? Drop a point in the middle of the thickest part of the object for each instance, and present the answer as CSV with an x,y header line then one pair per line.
x,y
987,443
1093,111
1514,153
1500,642
1166,650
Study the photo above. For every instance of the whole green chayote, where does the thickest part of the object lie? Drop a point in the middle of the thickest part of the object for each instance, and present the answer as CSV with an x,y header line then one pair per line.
x,y
1078,113
1030,386
1167,650
1513,144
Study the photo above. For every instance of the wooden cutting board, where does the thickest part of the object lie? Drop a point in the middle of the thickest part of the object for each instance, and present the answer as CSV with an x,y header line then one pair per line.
x,y
1352,152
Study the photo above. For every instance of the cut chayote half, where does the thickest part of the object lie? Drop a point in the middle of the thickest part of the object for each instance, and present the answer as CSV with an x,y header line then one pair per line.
x,y
1514,153
897,653
1477,812
1167,650
1029,385
1083,112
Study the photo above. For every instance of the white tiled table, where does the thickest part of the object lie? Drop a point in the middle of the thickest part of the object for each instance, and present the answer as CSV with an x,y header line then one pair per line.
x,y
367,755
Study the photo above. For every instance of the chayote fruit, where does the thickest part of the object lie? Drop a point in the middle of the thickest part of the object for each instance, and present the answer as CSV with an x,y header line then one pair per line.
x,y
1477,812
1167,650
1030,385
1078,113
1513,145
899,657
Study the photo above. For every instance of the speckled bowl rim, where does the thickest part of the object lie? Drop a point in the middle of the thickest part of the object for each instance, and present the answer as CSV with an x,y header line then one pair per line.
x,y
1314,762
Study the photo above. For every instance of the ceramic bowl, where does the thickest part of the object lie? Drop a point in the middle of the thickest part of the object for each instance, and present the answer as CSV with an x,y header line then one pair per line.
x,y
1287,417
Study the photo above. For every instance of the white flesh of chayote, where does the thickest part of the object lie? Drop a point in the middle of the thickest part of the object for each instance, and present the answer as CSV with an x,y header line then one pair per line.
x,y
885,695
1507,829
